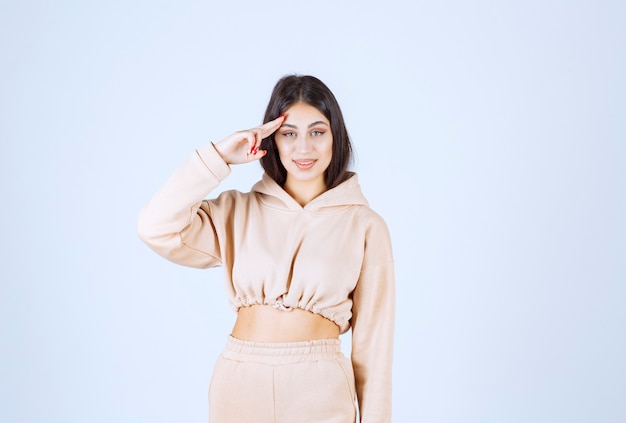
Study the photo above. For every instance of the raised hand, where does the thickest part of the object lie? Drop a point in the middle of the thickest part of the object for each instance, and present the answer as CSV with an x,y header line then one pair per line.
x,y
243,146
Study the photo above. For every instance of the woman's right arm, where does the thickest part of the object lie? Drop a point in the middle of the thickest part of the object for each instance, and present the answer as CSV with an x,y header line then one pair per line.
x,y
177,222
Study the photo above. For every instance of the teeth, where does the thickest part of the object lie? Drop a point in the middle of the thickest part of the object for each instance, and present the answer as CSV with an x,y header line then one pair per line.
x,y
308,162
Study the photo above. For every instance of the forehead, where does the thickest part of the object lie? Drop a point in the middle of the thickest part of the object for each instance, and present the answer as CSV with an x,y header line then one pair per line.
x,y
304,113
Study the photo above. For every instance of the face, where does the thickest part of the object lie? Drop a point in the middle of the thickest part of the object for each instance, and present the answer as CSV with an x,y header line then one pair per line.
x,y
305,143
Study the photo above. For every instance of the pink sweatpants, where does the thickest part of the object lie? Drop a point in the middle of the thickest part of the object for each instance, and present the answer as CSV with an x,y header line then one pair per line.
x,y
290,382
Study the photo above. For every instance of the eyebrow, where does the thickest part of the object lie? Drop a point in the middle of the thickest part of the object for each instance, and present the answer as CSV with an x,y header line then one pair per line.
x,y
288,125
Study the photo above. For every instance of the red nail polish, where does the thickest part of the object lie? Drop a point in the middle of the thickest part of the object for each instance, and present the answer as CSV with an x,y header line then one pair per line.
x,y
283,115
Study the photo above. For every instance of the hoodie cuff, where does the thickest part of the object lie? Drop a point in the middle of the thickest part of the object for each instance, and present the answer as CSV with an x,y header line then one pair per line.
x,y
213,161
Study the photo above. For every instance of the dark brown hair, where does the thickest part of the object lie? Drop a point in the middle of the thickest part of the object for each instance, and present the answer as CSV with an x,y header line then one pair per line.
x,y
290,90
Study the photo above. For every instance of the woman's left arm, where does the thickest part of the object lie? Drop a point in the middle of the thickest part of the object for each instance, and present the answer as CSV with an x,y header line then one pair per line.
x,y
373,319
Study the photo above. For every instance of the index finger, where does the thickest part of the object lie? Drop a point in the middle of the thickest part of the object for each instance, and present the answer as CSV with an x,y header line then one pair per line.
x,y
270,127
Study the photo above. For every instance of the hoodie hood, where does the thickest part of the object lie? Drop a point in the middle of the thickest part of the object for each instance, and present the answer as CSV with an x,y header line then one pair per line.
x,y
344,195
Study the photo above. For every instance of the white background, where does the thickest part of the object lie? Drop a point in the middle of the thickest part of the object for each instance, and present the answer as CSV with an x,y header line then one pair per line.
x,y
489,135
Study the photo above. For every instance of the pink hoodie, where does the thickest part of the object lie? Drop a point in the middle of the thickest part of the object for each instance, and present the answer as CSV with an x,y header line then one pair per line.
x,y
331,257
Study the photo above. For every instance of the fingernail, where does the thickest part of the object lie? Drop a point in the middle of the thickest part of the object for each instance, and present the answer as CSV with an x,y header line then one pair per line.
x,y
256,150
283,115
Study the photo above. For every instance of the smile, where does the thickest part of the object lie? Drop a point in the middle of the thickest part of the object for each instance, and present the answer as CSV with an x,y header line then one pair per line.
x,y
304,164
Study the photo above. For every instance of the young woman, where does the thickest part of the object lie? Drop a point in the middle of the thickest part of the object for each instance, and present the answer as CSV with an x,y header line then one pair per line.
x,y
305,260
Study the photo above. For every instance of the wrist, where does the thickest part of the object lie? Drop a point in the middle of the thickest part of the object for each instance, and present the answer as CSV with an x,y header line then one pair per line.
x,y
213,160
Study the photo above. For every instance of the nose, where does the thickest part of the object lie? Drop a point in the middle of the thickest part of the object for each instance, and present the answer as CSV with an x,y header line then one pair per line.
x,y
304,144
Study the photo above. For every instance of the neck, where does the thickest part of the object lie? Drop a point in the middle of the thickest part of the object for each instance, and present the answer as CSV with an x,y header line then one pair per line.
x,y
304,191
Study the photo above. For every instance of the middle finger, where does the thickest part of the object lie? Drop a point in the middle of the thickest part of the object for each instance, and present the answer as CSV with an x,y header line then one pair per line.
x,y
270,127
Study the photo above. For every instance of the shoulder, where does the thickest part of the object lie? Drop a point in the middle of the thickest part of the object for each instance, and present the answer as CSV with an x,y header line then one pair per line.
x,y
231,198
371,219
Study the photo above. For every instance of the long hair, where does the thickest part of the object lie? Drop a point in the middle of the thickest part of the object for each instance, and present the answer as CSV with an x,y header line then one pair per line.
x,y
290,90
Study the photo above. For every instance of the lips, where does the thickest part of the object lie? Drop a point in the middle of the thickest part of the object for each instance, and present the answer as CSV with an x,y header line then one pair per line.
x,y
305,163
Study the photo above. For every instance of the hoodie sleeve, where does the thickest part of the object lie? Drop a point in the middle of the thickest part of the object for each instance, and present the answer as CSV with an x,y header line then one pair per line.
x,y
373,317
177,223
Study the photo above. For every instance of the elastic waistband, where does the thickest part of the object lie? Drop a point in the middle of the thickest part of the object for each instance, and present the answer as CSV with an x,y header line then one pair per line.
x,y
282,352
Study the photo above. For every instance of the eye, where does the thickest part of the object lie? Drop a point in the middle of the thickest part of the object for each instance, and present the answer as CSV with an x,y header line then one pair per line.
x,y
317,133
288,134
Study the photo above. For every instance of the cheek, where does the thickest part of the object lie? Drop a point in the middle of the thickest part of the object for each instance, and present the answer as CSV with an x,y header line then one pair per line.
x,y
282,153
329,149
280,148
